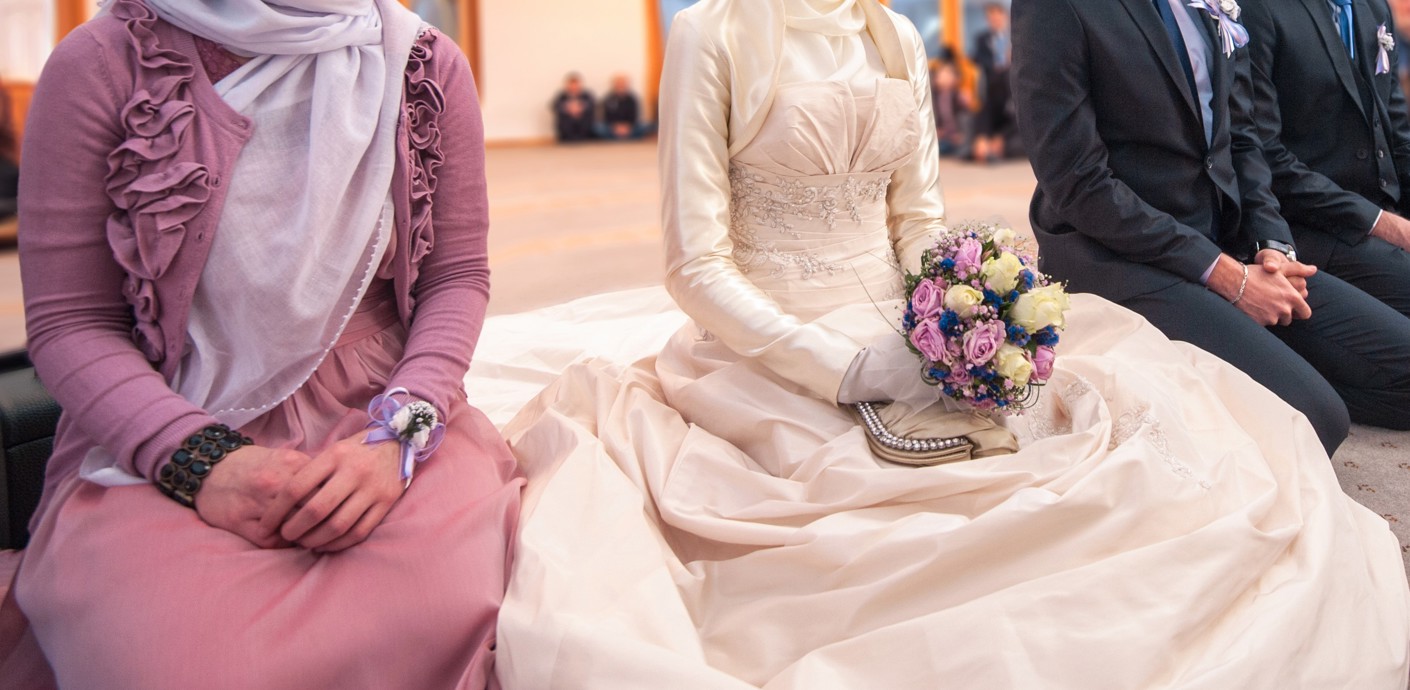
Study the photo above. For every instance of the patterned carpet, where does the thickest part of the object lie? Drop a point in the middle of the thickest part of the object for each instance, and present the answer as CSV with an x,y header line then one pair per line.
x,y
1374,468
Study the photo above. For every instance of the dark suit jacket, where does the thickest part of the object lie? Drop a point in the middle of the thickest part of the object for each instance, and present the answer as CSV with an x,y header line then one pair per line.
x,y
1334,132
1130,199
985,56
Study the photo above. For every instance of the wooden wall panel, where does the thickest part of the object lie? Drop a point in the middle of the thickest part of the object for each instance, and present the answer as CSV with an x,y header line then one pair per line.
x,y
19,96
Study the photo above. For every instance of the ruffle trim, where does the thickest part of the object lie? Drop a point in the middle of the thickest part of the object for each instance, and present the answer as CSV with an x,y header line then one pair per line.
x,y
156,192
425,102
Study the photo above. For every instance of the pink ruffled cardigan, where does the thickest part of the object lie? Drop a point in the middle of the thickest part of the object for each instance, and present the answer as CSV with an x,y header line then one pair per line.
x,y
120,198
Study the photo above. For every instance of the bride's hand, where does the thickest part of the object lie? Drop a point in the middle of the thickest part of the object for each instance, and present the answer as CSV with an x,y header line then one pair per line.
x,y
239,490
887,371
339,497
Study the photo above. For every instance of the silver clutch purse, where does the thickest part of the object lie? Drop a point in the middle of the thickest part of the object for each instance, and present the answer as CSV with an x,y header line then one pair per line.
x,y
931,435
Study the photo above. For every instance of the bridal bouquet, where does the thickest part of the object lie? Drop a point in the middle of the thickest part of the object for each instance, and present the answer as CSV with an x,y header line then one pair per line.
x,y
983,319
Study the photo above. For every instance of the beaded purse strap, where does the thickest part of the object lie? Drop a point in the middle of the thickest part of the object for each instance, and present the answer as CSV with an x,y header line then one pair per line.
x,y
893,447
182,477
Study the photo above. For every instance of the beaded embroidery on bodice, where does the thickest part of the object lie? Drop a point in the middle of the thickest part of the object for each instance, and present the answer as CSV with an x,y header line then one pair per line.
x,y
808,194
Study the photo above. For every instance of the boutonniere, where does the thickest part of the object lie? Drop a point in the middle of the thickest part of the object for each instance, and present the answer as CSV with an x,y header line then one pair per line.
x,y
1387,41
1226,13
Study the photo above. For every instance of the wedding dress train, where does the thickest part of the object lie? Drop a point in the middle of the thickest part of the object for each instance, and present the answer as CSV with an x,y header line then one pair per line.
x,y
707,518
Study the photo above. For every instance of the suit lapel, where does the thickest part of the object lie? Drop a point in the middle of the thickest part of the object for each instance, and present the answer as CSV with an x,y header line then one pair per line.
x,y
1322,18
1145,15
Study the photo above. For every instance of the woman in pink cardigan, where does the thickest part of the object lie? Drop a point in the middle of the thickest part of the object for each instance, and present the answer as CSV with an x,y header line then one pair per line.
x,y
255,269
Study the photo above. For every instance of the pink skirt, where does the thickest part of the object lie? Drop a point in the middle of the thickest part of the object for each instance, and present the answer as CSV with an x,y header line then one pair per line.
x,y
126,589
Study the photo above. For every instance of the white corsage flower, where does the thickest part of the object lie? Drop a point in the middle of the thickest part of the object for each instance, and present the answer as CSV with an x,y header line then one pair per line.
x,y
1387,43
1232,34
414,423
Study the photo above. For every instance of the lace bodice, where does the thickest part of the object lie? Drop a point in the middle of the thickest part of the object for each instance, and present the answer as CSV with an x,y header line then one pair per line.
x,y
808,207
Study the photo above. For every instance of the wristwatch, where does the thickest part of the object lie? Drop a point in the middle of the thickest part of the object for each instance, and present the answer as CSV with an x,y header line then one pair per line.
x,y
1287,249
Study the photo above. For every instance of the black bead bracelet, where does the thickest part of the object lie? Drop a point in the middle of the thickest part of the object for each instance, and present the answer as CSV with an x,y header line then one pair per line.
x,y
182,477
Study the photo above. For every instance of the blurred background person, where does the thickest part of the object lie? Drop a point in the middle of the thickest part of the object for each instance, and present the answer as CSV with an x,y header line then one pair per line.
x,y
993,52
954,107
621,112
573,111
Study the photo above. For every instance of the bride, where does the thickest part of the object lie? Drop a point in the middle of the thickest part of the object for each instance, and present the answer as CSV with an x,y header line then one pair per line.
x,y
712,518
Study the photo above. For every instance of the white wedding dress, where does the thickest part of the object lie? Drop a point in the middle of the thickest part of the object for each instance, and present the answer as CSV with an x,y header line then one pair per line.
x,y
708,519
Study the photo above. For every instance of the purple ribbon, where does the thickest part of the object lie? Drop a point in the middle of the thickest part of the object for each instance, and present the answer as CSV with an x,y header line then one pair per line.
x,y
382,410
1232,34
1387,44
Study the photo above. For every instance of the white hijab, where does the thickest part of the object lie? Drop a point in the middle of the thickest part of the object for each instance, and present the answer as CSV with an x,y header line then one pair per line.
x,y
307,215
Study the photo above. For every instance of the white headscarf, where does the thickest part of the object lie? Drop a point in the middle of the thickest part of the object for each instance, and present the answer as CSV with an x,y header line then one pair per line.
x,y
307,214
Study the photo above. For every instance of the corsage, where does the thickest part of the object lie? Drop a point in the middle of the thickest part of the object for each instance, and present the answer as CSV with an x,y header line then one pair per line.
x,y
1387,45
416,425
1226,13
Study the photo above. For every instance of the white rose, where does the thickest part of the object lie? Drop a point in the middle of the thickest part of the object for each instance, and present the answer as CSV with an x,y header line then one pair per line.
x,y
963,300
402,419
1013,364
1041,307
420,439
1003,237
1001,274
1231,8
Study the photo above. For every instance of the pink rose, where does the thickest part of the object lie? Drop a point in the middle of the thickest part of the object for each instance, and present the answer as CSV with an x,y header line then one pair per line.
x,y
926,300
959,376
1043,364
928,339
968,257
982,342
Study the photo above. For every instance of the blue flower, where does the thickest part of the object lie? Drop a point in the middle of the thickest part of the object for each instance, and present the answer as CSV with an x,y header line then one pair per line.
x,y
1047,337
1027,279
947,264
1018,336
949,321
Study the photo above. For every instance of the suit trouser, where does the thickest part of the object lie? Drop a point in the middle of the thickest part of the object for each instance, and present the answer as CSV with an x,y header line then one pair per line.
x,y
1378,267
1352,356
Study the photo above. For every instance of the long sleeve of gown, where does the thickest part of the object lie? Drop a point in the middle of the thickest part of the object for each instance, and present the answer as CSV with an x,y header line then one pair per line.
x,y
702,275
916,200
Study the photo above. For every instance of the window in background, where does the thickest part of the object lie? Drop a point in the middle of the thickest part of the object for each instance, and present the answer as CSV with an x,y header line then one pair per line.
x,y
442,14
925,14
669,8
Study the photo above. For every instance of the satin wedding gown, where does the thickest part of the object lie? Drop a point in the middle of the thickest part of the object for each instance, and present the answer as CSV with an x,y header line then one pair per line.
x,y
700,520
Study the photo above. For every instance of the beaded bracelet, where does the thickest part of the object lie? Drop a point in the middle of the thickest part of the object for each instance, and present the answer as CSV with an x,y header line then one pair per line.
x,y
191,464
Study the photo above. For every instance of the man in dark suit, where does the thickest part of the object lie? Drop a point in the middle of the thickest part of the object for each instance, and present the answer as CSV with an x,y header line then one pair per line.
x,y
573,111
993,55
1335,133
1153,192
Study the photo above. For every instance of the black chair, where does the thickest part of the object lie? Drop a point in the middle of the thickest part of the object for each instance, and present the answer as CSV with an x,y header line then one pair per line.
x,y
28,417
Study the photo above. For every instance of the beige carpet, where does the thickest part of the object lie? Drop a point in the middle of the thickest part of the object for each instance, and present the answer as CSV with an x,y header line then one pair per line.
x,y
1374,468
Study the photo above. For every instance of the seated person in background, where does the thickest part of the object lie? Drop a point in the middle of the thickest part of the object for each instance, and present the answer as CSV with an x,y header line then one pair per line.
x,y
954,108
573,111
621,112
9,160
1336,135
